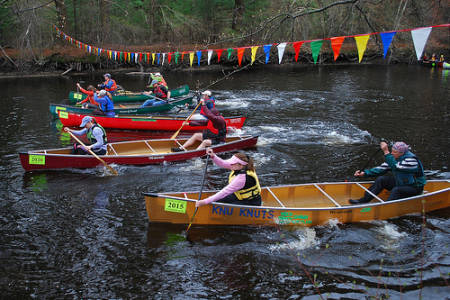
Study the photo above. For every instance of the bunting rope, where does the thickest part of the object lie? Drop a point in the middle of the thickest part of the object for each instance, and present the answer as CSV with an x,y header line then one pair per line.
x,y
419,36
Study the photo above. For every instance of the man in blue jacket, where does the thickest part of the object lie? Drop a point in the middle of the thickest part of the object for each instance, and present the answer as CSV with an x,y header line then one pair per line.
x,y
407,179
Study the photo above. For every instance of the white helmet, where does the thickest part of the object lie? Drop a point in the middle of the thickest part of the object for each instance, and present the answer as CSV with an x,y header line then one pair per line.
x,y
207,93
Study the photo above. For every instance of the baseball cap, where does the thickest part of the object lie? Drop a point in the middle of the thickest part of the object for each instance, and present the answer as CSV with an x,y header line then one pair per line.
x,y
85,120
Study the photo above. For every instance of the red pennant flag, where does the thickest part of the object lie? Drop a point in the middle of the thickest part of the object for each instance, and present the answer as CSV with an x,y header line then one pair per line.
x,y
219,53
140,56
182,55
297,46
169,56
336,44
148,58
240,54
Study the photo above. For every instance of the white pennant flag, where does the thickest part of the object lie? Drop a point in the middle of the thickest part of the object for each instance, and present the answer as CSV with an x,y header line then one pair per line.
x,y
164,58
136,57
210,53
281,48
420,37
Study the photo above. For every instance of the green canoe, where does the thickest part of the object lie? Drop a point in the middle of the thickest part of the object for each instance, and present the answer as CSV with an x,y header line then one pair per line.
x,y
128,109
126,96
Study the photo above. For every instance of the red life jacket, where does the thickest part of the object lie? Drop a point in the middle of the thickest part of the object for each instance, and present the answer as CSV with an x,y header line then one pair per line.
x,y
208,101
113,87
221,131
159,92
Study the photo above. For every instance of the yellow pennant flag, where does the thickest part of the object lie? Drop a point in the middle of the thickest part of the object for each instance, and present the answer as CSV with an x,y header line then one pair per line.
x,y
361,44
191,58
153,58
254,49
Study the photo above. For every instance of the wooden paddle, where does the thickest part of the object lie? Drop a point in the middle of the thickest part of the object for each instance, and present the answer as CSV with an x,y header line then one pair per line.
x,y
199,194
95,155
182,125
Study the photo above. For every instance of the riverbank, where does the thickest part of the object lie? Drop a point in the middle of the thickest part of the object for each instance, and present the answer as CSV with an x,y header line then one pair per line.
x,y
60,60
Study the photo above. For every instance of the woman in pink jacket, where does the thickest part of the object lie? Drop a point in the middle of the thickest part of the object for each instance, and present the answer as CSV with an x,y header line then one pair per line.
x,y
243,185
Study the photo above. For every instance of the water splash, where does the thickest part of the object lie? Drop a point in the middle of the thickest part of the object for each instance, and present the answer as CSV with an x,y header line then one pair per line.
x,y
303,238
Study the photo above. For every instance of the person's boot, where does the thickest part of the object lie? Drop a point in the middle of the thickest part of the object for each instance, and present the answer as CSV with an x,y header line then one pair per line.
x,y
358,201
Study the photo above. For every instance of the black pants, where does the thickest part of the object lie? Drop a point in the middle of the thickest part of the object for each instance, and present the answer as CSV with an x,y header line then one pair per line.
x,y
397,192
232,199
78,150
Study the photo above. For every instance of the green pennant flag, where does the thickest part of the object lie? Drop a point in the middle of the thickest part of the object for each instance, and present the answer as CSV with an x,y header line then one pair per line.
x,y
177,54
121,56
315,49
230,50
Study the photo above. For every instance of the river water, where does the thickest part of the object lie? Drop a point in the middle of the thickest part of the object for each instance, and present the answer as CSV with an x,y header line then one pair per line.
x,y
83,235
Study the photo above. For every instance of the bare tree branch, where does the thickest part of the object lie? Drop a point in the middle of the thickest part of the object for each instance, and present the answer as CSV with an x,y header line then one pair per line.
x,y
33,8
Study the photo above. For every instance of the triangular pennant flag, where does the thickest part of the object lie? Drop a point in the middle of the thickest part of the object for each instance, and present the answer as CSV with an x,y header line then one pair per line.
x,y
240,54
182,55
297,46
210,52
158,55
148,58
199,57
164,58
219,53
169,56
336,44
191,58
420,37
229,50
386,39
254,49
136,57
140,56
267,51
281,48
153,58
177,54
361,44
315,49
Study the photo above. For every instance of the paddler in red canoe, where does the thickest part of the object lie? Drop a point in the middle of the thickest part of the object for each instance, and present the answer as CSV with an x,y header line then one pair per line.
x,y
215,133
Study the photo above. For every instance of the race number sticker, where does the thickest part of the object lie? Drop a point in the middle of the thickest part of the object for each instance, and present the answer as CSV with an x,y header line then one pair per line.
x,y
63,115
36,160
177,206
78,96
58,108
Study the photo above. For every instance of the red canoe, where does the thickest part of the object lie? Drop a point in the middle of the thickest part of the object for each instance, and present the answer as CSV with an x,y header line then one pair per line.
x,y
169,123
144,152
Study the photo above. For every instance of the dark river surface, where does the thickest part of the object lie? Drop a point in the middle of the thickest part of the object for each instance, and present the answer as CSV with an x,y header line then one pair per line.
x,y
80,234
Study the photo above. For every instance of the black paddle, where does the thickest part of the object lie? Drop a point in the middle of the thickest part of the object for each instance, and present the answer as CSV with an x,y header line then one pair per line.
x,y
199,194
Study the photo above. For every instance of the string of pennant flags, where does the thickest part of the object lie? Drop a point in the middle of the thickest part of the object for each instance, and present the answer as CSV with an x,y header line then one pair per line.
x,y
419,36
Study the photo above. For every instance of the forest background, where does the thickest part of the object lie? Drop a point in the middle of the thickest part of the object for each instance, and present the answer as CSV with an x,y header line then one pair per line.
x,y
28,41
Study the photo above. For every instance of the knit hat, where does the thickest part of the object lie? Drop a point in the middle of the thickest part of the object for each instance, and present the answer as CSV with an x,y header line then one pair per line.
x,y
400,147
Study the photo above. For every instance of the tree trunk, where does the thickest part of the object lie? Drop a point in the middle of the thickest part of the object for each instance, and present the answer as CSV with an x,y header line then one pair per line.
x,y
238,13
104,12
61,13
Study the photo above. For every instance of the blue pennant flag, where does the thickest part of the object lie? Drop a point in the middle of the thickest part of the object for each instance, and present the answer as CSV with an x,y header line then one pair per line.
x,y
267,51
199,57
158,54
132,56
386,38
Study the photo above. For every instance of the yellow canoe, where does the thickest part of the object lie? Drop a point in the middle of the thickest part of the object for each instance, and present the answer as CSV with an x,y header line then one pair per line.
x,y
300,204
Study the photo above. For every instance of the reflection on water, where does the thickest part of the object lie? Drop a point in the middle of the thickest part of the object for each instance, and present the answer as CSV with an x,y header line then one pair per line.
x,y
81,234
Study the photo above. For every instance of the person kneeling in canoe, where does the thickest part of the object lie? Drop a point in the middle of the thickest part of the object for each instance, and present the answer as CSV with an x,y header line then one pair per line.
x,y
103,98
159,91
96,135
408,176
215,133
89,101
109,85
243,185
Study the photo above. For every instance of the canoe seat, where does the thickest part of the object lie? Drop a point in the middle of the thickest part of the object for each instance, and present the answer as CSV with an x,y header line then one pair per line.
x,y
111,150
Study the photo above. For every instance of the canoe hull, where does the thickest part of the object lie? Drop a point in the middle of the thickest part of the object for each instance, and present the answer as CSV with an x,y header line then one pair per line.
x,y
75,97
69,119
54,108
39,160
160,209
